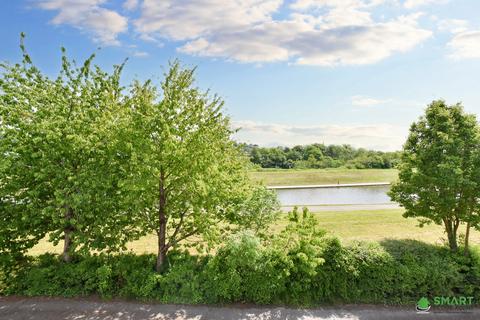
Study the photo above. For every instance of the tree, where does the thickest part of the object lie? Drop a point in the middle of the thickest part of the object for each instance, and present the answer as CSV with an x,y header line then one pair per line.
x,y
62,158
319,156
437,179
190,178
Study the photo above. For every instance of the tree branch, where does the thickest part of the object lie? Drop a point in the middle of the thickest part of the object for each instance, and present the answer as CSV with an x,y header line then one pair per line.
x,y
177,228
185,236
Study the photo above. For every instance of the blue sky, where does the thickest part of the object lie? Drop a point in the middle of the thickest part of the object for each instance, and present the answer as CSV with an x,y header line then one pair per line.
x,y
291,72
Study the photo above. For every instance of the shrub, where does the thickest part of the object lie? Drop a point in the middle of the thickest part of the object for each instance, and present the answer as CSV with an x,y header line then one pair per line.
x,y
182,283
245,271
394,272
305,268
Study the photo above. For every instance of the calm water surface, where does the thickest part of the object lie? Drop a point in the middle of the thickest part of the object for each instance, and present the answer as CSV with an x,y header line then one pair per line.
x,y
334,195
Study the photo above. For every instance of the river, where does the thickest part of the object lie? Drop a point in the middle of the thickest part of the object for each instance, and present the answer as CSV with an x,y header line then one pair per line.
x,y
352,195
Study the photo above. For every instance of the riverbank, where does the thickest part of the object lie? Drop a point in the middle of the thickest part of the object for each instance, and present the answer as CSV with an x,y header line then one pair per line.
x,y
286,177
343,185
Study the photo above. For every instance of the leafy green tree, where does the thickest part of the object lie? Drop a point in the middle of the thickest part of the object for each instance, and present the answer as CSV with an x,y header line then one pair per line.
x,y
473,214
319,156
437,179
62,158
189,178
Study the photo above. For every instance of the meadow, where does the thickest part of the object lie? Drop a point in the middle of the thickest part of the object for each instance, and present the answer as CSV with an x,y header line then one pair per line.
x,y
282,177
368,225
372,225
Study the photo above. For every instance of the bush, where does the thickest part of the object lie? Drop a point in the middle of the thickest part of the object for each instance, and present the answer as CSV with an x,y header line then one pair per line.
x,y
183,281
306,268
245,271
395,272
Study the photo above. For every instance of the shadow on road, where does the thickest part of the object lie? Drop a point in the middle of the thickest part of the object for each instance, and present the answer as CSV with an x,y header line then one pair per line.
x,y
74,309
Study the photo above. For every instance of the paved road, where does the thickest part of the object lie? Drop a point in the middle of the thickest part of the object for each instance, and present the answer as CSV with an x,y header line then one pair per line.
x,y
75,309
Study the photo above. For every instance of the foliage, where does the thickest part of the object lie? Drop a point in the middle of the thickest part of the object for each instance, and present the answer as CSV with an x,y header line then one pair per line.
x,y
303,243
248,270
244,270
83,162
320,156
62,160
301,265
188,179
258,209
438,173
86,163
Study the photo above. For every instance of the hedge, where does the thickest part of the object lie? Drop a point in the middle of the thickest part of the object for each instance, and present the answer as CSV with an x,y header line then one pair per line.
x,y
245,270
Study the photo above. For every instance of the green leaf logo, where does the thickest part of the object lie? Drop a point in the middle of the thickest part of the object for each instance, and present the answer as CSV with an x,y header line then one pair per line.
x,y
423,305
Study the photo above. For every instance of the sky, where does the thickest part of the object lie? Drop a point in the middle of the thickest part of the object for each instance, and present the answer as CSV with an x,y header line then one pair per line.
x,y
291,72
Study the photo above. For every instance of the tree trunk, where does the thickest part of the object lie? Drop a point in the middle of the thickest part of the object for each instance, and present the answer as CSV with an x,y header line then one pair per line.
x,y
67,239
161,255
467,235
452,242
162,224
451,234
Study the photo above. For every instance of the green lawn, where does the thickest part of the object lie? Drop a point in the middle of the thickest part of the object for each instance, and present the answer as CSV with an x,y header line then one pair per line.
x,y
377,225
347,225
367,225
322,176
147,244
380,224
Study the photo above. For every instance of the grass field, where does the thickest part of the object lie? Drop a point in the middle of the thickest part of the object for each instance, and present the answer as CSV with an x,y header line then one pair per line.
x,y
282,177
381,224
374,225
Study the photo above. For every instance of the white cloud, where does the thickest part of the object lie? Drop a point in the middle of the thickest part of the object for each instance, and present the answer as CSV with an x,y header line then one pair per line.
x,y
465,45
130,4
453,25
306,42
140,54
357,45
385,137
102,24
186,19
267,42
365,101
309,4
341,33
410,4
309,32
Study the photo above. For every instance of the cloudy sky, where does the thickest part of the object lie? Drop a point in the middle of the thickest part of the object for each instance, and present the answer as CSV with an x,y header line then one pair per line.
x,y
291,72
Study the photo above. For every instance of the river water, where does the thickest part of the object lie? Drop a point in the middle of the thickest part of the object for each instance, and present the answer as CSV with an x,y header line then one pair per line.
x,y
335,195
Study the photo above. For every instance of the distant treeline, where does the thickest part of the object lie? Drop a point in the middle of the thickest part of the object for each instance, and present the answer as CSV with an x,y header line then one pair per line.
x,y
320,156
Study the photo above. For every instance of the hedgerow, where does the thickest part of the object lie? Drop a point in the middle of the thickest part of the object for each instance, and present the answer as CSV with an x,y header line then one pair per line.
x,y
248,270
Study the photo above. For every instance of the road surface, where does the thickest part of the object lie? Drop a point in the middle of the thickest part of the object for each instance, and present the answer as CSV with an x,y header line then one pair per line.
x,y
89,309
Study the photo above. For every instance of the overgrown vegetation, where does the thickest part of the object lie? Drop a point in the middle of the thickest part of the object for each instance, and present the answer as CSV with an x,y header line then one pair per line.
x,y
300,266
318,155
